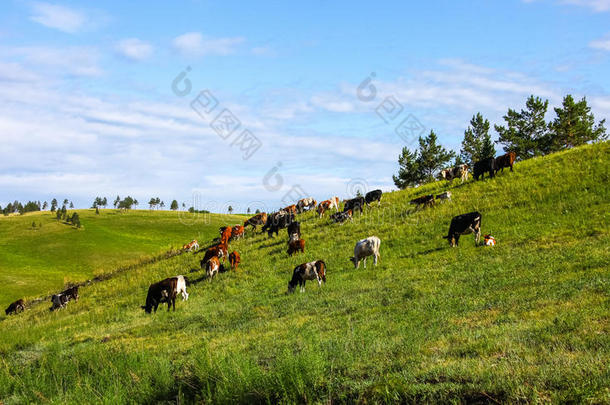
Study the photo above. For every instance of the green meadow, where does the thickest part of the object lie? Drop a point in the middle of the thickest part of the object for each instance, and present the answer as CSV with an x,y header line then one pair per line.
x,y
39,260
524,321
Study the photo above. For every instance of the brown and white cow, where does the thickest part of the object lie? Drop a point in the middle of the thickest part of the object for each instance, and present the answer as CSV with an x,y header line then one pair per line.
x,y
307,271
295,245
306,204
212,267
15,307
234,259
334,203
237,232
258,219
189,247
165,291
291,209
323,207
220,250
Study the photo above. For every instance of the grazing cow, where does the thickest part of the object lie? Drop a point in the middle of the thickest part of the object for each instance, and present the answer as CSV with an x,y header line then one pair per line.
x,y
463,225
306,203
71,293
323,206
307,271
237,232
482,166
258,219
342,216
58,301
193,245
165,291
354,204
234,259
276,221
489,240
291,209
371,196
444,196
426,201
15,307
295,245
212,267
220,250
505,161
225,234
364,248
460,171
294,231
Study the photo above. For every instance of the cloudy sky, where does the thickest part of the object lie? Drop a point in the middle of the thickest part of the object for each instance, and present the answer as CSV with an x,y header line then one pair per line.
x,y
256,104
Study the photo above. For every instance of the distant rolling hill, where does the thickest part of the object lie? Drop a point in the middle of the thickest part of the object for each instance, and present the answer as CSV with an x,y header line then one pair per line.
x,y
524,321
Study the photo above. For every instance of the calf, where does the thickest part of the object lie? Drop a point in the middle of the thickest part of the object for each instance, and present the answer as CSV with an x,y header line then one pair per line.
x,y
212,267
460,171
444,196
354,204
220,250
307,271
234,259
503,161
486,165
426,201
489,240
463,225
15,307
258,219
165,291
374,195
364,248
189,247
294,231
342,216
295,245
306,203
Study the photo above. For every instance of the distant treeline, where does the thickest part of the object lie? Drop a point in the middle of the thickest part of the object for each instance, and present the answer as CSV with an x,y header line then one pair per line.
x,y
525,132
31,206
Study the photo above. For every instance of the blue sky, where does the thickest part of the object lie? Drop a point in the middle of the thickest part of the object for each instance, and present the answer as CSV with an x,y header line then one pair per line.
x,y
88,107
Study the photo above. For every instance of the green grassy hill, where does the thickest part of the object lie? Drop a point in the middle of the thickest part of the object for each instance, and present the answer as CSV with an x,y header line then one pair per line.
x,y
525,321
38,261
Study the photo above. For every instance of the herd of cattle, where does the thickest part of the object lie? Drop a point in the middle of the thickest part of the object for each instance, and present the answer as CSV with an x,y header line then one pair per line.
x,y
167,290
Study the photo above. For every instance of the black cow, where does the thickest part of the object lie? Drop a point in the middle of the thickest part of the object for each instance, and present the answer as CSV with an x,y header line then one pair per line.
x,y
15,307
277,221
482,166
354,204
294,231
463,225
371,196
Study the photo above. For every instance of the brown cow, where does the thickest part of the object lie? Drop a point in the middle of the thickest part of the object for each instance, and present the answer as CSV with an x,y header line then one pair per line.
x,y
237,232
220,250
15,307
295,245
258,219
323,206
505,161
291,209
234,259
225,234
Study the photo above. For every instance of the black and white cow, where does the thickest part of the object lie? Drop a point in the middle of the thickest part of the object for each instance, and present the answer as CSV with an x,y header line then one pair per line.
x,y
165,291
307,271
342,216
294,231
354,204
374,195
463,225
58,301
278,220
15,307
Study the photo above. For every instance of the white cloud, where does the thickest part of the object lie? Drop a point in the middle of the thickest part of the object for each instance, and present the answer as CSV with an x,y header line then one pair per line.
x,y
601,44
195,44
134,49
59,17
75,60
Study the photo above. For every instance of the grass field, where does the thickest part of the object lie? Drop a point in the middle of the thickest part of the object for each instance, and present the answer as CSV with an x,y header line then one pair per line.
x,y
38,261
525,321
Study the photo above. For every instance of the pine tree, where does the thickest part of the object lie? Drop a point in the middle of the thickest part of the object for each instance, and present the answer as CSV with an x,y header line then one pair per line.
x,y
53,205
174,205
574,125
477,144
117,200
408,171
45,205
432,156
526,131
71,204
248,210
230,209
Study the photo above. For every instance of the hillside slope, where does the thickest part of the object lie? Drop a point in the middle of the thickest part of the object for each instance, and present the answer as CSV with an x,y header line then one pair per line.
x,y
40,260
527,320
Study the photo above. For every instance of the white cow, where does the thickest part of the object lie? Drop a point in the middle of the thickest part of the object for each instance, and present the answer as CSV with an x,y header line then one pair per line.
x,y
334,202
364,248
